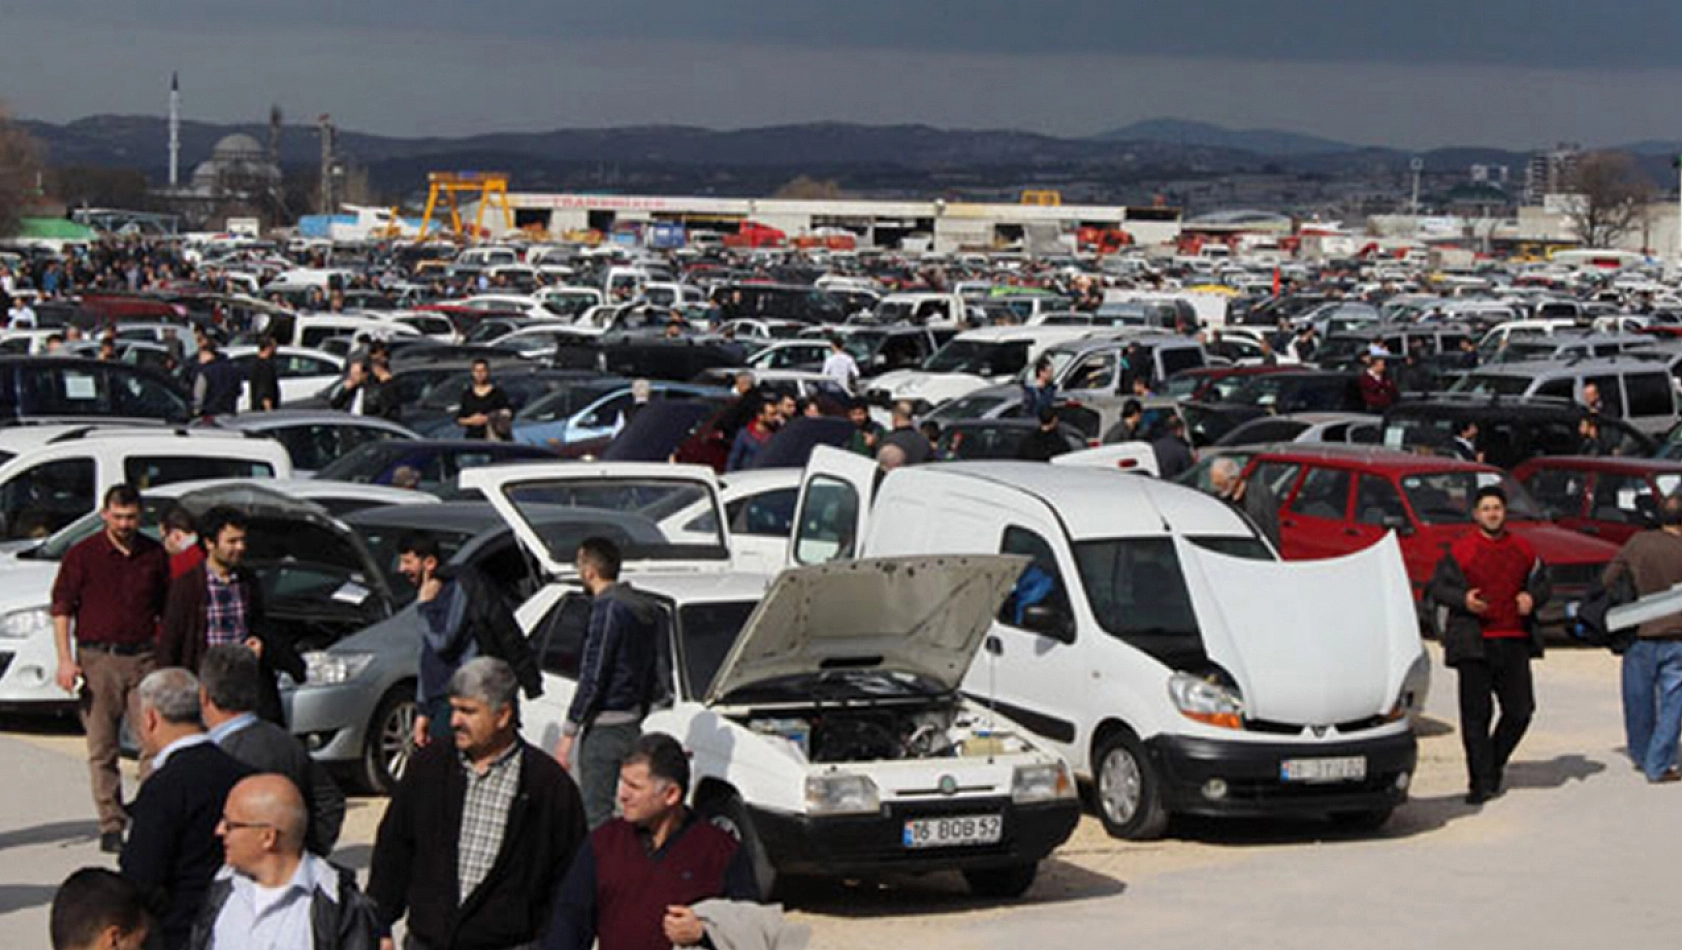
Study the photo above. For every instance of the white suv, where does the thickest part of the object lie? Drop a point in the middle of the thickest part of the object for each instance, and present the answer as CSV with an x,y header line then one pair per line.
x,y
51,475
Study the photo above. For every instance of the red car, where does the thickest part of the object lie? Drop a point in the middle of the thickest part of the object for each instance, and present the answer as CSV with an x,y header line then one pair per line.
x,y
1611,498
1334,500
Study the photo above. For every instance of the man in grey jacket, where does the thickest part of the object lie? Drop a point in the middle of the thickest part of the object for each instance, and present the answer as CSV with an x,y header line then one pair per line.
x,y
229,687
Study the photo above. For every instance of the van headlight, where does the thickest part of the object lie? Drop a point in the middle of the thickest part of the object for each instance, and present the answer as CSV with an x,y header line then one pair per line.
x,y
331,669
841,794
23,624
1206,701
1416,685
1040,783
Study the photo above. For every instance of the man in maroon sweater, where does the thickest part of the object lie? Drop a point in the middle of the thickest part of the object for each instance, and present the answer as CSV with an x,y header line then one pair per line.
x,y
1492,583
633,884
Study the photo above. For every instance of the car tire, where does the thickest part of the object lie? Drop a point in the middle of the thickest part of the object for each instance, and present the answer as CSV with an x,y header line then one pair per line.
x,y
1126,791
1010,882
1371,819
389,743
725,810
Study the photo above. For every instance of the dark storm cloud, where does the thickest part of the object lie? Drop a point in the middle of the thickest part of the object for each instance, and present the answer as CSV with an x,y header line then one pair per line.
x,y
1563,34
1426,73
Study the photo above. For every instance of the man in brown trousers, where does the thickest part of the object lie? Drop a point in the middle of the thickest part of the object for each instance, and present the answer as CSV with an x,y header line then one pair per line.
x,y
109,593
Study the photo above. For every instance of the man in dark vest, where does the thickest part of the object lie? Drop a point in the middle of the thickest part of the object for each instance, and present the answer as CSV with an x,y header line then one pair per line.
x,y
634,883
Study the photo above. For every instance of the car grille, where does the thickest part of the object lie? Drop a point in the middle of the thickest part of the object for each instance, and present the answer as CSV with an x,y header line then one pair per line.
x,y
1295,729
1575,575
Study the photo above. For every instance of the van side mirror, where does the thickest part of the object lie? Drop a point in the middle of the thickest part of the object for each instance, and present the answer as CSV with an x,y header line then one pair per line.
x,y
1048,621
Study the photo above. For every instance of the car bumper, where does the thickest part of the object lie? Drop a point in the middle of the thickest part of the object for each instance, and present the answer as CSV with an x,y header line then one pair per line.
x,y
860,844
1251,773
331,720
28,671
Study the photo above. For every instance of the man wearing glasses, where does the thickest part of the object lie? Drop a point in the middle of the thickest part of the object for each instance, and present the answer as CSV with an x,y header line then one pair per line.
x,y
272,893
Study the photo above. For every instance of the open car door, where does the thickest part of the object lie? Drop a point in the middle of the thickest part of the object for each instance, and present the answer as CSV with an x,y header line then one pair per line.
x,y
836,492
553,507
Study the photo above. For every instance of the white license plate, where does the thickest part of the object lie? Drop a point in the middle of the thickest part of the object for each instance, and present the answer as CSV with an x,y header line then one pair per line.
x,y
954,831
1347,769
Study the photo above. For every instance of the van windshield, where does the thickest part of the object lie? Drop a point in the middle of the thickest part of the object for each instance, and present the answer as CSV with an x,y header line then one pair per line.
x,y
1138,594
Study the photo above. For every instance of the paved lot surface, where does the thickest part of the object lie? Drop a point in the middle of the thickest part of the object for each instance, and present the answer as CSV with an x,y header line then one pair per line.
x,y
1581,849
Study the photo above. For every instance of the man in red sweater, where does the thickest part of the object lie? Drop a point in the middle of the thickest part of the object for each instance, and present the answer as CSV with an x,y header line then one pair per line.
x,y
1491,582
633,884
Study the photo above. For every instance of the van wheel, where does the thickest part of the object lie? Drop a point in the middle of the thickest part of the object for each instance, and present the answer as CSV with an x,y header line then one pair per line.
x,y
390,741
1126,790
725,811
1002,882
1370,820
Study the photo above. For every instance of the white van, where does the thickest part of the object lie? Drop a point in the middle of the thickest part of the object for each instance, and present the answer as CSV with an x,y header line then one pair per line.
x,y
1156,640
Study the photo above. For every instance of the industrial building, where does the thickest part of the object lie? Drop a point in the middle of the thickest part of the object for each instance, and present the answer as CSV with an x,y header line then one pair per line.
x,y
942,225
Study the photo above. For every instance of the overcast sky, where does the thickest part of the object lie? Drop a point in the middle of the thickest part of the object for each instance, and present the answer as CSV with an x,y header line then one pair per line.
x,y
1510,73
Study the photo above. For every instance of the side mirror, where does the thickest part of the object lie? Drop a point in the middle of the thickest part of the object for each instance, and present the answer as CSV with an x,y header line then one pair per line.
x,y
1398,523
1048,621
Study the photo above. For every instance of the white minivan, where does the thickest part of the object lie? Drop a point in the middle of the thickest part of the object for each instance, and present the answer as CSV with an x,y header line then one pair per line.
x,y
1155,639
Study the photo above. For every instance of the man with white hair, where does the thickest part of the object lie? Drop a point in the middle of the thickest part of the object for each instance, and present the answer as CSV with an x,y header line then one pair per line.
x,y
172,851
1249,497
272,893
475,841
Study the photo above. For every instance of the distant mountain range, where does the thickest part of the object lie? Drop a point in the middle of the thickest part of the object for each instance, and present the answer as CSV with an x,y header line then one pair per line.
x,y
879,158
1270,142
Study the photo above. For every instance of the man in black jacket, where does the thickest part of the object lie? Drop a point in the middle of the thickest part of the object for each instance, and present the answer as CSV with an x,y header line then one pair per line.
x,y
172,850
265,382
272,894
615,680
474,844
230,681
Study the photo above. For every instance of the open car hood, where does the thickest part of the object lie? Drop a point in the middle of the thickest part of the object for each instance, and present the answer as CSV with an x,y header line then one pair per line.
x,y
1310,643
919,617
290,530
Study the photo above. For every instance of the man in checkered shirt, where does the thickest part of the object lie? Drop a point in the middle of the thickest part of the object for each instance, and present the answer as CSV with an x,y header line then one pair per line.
x,y
479,833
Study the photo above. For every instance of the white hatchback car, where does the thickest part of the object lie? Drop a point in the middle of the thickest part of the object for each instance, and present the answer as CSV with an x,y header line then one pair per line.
x,y
823,716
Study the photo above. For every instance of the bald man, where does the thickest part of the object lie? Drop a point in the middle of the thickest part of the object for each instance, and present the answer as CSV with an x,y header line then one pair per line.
x,y
272,893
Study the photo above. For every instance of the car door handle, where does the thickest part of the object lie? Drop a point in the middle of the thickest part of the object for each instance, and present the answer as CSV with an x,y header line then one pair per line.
x,y
995,646
1287,523
1352,532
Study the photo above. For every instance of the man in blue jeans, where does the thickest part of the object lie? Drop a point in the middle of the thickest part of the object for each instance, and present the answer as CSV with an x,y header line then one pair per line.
x,y
1652,675
615,680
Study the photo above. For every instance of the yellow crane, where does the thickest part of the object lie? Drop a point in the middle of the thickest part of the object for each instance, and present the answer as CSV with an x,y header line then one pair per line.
x,y
489,186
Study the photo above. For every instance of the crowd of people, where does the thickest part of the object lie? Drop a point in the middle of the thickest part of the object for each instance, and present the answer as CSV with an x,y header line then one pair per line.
x,y
488,841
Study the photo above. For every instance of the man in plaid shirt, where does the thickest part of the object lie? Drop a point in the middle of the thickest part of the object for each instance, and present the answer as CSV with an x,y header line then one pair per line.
x,y
475,841
219,602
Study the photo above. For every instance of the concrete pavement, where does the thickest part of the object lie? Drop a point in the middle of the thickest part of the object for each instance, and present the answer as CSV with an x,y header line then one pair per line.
x,y
1580,849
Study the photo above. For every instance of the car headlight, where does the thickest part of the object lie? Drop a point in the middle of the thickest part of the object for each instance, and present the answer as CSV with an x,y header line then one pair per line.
x,y
841,794
23,624
331,669
1416,685
1041,783
1206,701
